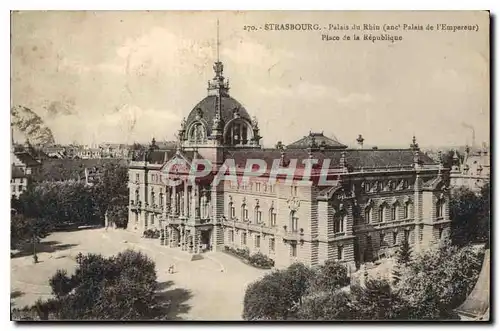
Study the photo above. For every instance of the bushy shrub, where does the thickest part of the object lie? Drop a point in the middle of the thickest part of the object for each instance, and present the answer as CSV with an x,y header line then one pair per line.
x,y
121,287
257,260
260,260
151,234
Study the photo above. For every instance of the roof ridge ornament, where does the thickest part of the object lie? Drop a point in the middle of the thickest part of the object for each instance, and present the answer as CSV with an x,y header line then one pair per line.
x,y
414,144
218,86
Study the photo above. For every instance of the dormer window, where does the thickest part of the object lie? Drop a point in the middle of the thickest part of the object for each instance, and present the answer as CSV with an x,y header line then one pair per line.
x,y
238,132
197,133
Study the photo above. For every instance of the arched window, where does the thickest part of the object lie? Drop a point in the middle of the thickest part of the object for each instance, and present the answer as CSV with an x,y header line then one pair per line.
x,y
231,210
258,215
197,133
394,211
382,212
238,132
161,200
272,217
244,212
368,214
338,224
294,221
408,211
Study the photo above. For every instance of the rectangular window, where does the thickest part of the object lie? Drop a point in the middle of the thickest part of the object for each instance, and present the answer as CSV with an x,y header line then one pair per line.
x,y
231,236
273,218
293,250
271,188
393,213
395,238
20,188
257,187
272,244
257,241
136,177
440,233
381,214
244,238
368,215
382,239
407,234
152,219
233,212
340,252
295,223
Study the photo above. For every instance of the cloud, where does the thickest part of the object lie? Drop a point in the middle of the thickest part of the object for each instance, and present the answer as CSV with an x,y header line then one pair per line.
x,y
254,54
160,50
306,90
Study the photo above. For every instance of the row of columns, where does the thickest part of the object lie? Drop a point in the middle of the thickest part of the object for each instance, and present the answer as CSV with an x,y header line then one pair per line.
x,y
187,239
188,201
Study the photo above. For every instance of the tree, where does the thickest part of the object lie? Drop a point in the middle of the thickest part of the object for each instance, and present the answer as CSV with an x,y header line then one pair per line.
x,y
277,295
404,252
28,230
327,306
111,189
329,277
469,215
403,257
439,279
118,215
483,227
121,287
378,301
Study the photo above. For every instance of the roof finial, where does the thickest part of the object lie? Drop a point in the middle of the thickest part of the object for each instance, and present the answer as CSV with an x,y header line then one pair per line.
x,y
218,41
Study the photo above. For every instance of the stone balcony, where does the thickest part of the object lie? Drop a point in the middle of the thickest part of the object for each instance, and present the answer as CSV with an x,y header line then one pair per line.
x,y
292,235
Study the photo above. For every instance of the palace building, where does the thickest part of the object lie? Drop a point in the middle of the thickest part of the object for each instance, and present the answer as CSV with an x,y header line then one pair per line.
x,y
473,170
372,201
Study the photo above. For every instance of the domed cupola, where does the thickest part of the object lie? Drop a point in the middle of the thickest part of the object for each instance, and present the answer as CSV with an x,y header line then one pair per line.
x,y
219,119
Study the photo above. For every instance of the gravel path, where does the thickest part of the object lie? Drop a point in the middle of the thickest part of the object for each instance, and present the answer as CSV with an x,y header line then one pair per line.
x,y
211,288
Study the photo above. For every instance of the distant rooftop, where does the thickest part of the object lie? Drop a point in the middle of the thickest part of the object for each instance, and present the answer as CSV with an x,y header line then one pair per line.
x,y
316,139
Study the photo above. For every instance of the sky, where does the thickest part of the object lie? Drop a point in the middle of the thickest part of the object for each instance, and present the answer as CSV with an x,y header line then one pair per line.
x,y
130,76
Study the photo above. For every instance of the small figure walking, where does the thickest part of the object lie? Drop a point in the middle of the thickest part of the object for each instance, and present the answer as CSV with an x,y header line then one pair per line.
x,y
171,269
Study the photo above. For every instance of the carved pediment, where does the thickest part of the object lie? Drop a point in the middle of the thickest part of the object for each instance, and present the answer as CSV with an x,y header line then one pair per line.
x,y
293,203
400,185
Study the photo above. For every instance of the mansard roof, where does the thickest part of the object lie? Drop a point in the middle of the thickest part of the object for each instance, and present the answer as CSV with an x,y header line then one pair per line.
x,y
316,140
355,158
17,172
27,159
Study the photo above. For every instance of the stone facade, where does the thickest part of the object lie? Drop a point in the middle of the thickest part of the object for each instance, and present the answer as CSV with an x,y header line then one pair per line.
x,y
473,172
371,201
